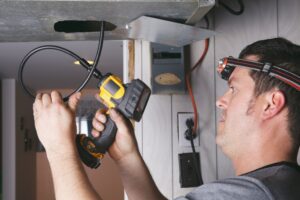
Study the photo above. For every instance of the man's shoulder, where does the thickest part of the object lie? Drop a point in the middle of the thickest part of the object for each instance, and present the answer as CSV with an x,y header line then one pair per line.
x,y
282,179
236,188
282,170
276,181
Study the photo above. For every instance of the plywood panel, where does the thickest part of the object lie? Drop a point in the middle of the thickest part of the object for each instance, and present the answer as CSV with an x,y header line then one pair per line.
x,y
259,21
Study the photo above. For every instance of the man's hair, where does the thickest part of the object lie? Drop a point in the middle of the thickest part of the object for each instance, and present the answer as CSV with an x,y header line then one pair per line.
x,y
283,53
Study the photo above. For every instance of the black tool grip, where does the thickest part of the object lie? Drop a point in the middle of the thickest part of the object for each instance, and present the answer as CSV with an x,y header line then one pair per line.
x,y
107,136
87,158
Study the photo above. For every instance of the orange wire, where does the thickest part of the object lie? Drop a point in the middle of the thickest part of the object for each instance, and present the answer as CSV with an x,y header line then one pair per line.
x,y
189,87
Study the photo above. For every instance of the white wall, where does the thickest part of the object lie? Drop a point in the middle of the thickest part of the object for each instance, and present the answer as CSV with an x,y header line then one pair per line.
x,y
157,133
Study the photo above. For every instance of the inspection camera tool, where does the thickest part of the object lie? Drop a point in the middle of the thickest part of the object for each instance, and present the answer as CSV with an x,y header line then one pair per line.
x,y
129,99
228,64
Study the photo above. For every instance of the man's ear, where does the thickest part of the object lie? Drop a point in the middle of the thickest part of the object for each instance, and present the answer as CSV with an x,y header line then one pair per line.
x,y
274,103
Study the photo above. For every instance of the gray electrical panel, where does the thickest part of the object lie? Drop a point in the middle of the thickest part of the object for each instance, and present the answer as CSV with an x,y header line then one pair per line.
x,y
168,69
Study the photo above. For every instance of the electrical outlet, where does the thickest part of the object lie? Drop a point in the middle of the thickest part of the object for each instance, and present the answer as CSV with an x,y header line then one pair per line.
x,y
182,127
188,170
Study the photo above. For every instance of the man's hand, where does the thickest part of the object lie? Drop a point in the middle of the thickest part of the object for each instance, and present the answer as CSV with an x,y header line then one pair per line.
x,y
125,143
135,175
55,121
56,128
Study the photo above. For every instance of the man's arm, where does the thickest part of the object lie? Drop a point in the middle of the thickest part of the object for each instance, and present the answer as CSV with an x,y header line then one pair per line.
x,y
135,175
137,180
70,179
56,128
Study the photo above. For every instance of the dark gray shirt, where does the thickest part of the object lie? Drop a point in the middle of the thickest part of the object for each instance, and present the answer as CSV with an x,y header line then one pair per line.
x,y
279,181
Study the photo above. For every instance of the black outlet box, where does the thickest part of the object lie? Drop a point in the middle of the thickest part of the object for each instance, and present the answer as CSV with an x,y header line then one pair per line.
x,y
188,170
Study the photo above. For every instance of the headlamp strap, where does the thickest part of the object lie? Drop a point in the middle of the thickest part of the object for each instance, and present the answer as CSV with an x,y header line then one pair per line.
x,y
267,68
284,75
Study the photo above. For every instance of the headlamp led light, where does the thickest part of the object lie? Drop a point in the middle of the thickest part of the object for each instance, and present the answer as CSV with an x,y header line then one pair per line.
x,y
228,64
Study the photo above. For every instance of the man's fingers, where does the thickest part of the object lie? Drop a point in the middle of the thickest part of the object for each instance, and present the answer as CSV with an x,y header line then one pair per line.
x,y
100,116
56,97
95,133
98,126
73,101
37,103
46,99
38,96
118,119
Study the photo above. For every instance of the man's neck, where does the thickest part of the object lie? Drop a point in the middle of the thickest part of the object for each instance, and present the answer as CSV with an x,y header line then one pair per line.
x,y
271,145
249,163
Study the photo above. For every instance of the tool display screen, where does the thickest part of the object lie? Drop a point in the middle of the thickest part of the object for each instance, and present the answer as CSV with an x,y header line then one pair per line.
x,y
111,87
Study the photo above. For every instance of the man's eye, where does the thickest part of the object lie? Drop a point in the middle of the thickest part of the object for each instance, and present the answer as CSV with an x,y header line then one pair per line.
x,y
232,89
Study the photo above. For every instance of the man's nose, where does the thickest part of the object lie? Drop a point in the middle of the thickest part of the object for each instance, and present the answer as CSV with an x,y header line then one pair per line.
x,y
221,103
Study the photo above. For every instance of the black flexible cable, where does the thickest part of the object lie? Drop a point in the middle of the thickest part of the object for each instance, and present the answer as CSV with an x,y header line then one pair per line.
x,y
70,53
190,136
196,164
234,12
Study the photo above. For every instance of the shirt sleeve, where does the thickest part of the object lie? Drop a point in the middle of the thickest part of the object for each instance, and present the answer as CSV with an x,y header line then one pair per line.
x,y
239,188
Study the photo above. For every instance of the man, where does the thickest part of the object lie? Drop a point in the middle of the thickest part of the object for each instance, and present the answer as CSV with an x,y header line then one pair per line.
x,y
259,131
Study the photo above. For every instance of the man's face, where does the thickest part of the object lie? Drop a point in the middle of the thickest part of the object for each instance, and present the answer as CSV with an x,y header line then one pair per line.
x,y
238,120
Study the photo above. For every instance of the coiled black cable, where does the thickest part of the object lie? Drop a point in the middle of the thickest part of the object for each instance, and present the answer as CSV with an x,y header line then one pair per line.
x,y
234,12
91,68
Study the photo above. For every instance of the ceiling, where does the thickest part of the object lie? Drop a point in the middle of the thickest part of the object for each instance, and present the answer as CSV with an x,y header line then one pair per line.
x,y
25,25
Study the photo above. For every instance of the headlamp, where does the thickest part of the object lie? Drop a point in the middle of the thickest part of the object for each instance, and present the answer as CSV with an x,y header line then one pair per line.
x,y
227,65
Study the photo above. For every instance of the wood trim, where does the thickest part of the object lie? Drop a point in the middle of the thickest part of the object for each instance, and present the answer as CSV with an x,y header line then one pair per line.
x,y
131,58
